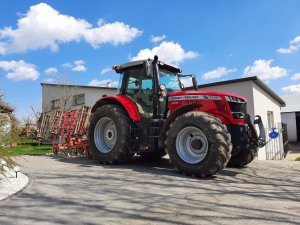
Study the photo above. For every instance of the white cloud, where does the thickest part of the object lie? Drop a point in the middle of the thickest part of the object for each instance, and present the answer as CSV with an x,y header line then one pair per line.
x,y
296,76
263,69
289,50
217,73
65,65
113,33
292,89
49,80
51,70
44,27
103,83
105,70
167,51
294,46
156,39
79,66
19,70
79,62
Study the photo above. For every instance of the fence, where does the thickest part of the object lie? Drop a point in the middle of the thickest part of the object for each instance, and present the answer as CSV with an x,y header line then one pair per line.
x,y
274,146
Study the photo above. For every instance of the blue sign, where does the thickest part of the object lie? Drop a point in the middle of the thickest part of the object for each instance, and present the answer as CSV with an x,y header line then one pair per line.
x,y
273,134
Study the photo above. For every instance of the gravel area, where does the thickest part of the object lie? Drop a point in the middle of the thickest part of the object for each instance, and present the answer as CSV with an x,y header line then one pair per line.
x,y
9,184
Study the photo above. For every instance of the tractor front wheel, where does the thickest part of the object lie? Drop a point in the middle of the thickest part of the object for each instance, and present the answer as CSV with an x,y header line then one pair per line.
x,y
198,144
109,135
242,158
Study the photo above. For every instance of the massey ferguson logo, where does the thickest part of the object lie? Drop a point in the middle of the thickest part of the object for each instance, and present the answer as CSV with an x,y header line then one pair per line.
x,y
194,97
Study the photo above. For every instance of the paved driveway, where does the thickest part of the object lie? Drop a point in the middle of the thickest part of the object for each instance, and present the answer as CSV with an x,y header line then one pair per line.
x,y
80,191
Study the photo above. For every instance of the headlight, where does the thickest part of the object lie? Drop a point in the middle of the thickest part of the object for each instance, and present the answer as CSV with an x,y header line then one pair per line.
x,y
234,99
162,87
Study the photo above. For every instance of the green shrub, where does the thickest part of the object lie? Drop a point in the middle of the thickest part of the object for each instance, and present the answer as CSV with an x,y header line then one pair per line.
x,y
297,159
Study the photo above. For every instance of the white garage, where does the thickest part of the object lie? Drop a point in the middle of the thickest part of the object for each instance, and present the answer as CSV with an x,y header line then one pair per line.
x,y
291,116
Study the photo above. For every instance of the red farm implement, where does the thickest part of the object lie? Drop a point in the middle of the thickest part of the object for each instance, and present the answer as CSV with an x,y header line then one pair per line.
x,y
67,130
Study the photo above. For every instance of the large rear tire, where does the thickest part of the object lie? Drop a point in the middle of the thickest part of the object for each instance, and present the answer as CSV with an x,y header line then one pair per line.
x,y
109,139
242,158
198,144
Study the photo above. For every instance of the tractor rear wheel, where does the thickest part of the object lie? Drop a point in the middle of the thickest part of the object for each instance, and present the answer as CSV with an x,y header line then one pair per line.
x,y
198,144
242,158
109,135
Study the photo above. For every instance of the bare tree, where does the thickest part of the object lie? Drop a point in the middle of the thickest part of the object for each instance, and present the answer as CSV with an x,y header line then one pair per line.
x,y
62,98
64,95
36,113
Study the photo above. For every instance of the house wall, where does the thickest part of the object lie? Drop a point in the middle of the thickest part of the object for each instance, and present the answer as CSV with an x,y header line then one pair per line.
x,y
53,92
264,103
290,119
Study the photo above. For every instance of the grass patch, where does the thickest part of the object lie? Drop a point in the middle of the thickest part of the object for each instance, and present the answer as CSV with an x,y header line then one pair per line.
x,y
27,141
29,150
297,159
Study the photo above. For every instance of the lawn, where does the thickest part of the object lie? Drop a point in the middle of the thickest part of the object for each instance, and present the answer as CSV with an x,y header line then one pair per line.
x,y
29,147
29,150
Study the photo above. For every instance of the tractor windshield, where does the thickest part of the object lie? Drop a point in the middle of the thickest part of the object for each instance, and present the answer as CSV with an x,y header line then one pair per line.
x,y
170,80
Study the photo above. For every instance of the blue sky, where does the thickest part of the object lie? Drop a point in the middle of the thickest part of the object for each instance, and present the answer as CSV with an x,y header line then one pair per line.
x,y
216,40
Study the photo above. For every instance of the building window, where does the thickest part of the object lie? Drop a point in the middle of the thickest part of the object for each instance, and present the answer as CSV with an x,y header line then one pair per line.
x,y
270,119
55,104
78,99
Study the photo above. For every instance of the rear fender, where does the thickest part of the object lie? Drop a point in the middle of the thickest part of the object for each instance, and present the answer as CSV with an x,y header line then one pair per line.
x,y
121,100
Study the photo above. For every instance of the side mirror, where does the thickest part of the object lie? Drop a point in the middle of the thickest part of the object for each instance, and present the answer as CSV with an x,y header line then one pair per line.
x,y
195,85
148,68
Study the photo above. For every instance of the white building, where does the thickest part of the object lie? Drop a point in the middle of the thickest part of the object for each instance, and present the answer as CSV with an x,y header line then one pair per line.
x,y
68,97
291,116
261,101
71,96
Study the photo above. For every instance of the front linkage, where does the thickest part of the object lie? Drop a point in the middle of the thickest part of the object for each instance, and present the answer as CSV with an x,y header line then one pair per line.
x,y
255,141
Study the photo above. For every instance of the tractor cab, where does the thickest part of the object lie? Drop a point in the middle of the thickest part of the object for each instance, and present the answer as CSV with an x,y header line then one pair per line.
x,y
148,83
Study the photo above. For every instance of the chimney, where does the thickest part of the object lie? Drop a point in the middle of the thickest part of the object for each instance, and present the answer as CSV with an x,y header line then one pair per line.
x,y
109,84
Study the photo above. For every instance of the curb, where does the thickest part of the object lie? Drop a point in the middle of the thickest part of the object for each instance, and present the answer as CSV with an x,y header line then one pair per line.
x,y
30,181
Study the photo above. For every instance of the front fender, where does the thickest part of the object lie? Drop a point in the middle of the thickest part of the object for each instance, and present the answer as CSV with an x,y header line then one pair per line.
x,y
121,100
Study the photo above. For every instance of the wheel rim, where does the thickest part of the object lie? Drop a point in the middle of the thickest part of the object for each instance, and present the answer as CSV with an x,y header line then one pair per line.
x,y
191,145
105,135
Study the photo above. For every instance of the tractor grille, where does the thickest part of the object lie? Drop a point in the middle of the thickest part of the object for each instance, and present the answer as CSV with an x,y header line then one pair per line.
x,y
238,107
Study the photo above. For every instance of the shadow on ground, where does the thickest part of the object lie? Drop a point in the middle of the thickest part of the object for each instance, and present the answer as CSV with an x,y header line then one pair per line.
x,y
81,191
160,166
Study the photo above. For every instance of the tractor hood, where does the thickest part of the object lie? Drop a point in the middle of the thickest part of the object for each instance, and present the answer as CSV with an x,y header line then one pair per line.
x,y
209,95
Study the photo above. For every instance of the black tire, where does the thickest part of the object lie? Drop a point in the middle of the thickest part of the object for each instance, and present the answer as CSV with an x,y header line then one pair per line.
x,y
219,144
120,152
153,155
242,158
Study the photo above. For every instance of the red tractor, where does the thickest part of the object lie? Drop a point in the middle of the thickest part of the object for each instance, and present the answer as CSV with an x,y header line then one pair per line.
x,y
152,115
